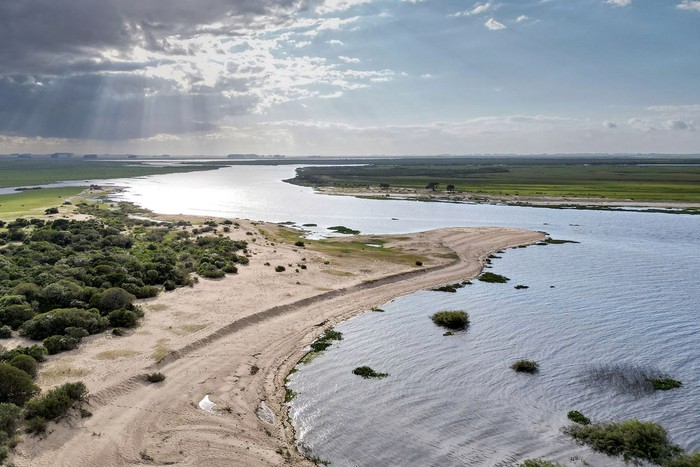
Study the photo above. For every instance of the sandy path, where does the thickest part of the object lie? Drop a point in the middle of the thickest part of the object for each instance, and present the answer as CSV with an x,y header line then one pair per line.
x,y
139,424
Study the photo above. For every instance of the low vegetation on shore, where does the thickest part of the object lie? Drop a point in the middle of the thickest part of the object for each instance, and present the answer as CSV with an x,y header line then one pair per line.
x,y
451,288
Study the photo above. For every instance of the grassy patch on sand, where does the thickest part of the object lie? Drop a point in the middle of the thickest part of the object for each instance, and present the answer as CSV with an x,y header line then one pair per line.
x,y
161,350
62,370
115,354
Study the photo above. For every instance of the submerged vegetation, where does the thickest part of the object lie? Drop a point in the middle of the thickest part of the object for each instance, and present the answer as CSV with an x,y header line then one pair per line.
x,y
451,319
344,230
368,373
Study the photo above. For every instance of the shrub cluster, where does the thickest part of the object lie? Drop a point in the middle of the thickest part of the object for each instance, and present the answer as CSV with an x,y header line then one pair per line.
x,y
53,405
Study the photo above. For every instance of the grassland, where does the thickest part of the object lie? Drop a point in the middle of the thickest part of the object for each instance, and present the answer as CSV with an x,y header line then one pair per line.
x,y
41,171
612,179
34,202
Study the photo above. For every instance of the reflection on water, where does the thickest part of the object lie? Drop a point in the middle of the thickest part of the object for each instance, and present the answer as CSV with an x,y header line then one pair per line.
x,y
626,296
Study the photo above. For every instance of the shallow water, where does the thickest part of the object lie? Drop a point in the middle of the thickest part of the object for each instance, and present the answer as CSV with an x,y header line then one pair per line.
x,y
627,294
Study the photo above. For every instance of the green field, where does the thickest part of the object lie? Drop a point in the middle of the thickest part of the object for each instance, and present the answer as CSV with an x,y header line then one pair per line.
x,y
41,171
613,180
34,202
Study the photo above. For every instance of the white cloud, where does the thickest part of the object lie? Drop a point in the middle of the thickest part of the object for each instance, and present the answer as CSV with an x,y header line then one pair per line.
x,y
349,59
619,3
494,25
690,5
522,18
476,10
679,125
330,6
335,42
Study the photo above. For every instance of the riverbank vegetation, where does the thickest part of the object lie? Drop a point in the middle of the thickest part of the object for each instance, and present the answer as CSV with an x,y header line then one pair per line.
x,y
576,177
43,170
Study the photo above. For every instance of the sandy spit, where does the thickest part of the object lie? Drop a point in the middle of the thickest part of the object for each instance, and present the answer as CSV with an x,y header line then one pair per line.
x,y
234,340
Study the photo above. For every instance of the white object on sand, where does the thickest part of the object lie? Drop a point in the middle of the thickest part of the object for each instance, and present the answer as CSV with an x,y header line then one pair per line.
x,y
207,405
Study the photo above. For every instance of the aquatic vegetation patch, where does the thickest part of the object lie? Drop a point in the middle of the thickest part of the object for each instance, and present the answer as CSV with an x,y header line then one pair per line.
x,y
520,287
526,366
368,373
665,384
493,278
632,439
344,230
451,319
377,309
538,463
554,241
451,288
624,377
577,417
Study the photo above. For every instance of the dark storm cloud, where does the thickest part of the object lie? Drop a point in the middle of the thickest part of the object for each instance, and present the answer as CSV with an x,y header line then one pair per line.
x,y
55,80
34,32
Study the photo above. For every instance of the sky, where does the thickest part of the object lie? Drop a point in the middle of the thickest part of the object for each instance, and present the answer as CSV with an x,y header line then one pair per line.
x,y
349,77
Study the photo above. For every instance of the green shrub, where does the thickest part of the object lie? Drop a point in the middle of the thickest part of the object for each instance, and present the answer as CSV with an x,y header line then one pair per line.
x,y
210,271
526,366
15,314
665,384
114,299
494,278
122,318
55,322
578,417
632,439
367,373
3,454
454,319
57,344
280,268
35,425
299,243
9,418
56,402
117,332
25,363
155,377
76,333
5,332
37,352
16,386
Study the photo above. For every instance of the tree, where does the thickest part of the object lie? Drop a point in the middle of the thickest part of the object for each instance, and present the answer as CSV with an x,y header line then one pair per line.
x,y
450,188
16,386
432,186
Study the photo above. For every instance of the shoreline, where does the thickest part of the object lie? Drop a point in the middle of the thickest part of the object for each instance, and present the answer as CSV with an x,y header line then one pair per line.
x,y
551,202
215,354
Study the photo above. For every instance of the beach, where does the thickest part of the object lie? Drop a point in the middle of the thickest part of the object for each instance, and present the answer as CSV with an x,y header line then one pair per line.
x,y
235,340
